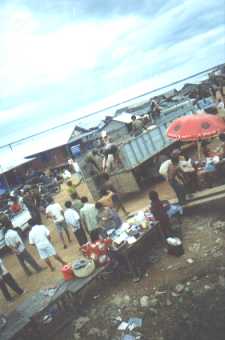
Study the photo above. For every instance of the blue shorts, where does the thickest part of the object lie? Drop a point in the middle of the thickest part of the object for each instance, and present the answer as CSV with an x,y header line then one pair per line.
x,y
60,226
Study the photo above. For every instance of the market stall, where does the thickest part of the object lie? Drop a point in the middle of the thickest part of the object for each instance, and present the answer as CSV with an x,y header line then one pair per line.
x,y
199,128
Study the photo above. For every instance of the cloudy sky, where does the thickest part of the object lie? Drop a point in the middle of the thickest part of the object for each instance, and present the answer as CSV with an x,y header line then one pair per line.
x,y
60,59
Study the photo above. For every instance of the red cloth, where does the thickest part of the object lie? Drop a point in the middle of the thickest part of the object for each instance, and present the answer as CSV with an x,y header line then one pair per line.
x,y
15,208
159,212
98,251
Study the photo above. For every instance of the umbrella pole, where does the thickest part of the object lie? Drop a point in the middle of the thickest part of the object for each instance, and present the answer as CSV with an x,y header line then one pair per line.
x,y
199,150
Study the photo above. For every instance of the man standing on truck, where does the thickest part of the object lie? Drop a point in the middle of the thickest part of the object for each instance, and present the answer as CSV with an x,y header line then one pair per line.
x,y
137,126
15,243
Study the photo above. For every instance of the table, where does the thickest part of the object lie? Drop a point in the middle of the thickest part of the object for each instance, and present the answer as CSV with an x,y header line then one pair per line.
x,y
130,252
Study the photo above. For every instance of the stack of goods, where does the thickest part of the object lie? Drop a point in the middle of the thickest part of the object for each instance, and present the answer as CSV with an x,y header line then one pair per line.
x,y
130,231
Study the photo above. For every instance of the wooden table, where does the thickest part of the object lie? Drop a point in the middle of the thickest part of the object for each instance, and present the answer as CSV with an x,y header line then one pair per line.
x,y
131,252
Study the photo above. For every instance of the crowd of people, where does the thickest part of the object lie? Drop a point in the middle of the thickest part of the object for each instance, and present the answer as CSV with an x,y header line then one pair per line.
x,y
77,217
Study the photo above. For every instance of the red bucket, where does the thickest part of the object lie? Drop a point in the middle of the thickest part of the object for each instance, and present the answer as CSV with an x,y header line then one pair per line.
x,y
67,273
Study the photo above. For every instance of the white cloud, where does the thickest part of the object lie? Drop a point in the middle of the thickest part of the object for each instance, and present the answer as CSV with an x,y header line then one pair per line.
x,y
83,59
31,59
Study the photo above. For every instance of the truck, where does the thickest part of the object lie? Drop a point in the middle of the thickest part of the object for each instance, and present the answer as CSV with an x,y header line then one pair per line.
x,y
141,155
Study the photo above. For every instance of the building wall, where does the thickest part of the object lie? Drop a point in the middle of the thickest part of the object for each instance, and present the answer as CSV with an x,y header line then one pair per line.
x,y
51,159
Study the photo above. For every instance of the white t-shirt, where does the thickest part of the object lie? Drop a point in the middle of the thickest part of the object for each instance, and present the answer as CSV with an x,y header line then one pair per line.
x,y
55,211
12,238
163,170
72,218
66,175
39,236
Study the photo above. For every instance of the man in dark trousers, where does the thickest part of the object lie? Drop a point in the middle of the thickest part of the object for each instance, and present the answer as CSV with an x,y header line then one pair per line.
x,y
15,243
160,214
6,279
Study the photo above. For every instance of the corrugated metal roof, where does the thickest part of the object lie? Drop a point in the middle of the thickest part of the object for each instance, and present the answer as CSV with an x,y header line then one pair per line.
x,y
44,142
12,163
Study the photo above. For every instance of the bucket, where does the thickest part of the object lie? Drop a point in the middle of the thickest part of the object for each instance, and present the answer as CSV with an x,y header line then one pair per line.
x,y
83,267
175,246
67,272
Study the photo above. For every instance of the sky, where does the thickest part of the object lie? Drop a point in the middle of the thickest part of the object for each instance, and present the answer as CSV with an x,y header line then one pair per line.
x,y
61,59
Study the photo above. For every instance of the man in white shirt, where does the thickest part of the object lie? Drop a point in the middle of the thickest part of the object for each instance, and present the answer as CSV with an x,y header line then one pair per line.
x,y
66,174
15,243
6,279
73,220
88,216
55,212
39,236
163,170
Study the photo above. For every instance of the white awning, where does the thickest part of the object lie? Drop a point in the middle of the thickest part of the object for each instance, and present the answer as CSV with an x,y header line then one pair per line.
x,y
44,142
12,163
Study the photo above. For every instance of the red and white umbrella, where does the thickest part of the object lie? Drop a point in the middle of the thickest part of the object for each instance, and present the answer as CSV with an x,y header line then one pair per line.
x,y
196,127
